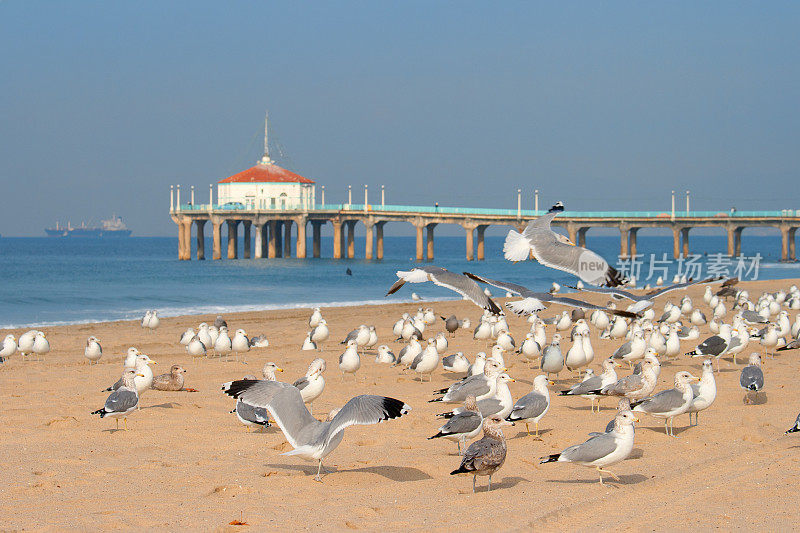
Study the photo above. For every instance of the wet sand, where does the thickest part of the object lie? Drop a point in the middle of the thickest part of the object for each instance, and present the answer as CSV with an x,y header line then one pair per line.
x,y
186,462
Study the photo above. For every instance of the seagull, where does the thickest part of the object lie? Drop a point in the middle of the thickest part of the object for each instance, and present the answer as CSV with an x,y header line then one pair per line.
x,y
40,344
533,406
484,457
8,348
533,302
186,336
320,333
457,362
444,278
349,361
633,387
172,381
310,438
704,393
93,351
312,384
463,426
451,324
752,377
593,383
315,318
556,251
644,301
669,403
479,385
122,401
385,355
603,449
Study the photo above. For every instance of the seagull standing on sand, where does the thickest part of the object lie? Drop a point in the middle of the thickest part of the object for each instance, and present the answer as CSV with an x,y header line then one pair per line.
x,y
704,393
601,450
485,457
533,406
312,384
320,333
8,348
122,401
587,386
310,438
240,343
93,351
349,361
41,345
669,403
25,342
752,378
463,426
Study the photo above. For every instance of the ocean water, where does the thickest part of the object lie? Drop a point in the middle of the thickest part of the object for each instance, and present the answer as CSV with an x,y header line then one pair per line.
x,y
50,281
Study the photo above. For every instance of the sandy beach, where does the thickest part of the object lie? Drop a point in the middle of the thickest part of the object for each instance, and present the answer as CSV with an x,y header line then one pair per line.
x,y
186,462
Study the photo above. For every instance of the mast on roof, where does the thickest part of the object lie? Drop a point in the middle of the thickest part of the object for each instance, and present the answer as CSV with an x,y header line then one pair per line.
x,y
265,160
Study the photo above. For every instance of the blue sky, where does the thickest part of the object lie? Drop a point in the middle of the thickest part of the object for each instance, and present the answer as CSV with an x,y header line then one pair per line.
x,y
602,105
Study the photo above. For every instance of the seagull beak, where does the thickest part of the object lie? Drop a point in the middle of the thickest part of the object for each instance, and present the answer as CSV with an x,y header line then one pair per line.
x,y
551,382
139,375
513,380
279,369
617,364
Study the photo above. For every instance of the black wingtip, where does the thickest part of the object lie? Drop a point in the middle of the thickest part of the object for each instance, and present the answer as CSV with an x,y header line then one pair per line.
x,y
394,408
236,388
793,429
563,393
459,470
440,434
558,207
435,400
492,307
550,458
447,415
100,412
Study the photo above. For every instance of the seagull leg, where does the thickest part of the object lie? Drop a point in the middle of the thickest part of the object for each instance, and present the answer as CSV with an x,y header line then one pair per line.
x,y
609,472
600,473
473,482
459,444
490,483
319,468
126,423
537,437
527,429
117,421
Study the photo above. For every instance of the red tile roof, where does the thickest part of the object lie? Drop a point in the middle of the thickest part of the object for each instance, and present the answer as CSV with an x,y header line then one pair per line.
x,y
266,174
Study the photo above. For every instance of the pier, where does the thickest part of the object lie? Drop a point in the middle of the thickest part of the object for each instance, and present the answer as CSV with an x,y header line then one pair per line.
x,y
269,232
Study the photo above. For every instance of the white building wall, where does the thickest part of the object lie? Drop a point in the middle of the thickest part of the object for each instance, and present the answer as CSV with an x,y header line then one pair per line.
x,y
268,195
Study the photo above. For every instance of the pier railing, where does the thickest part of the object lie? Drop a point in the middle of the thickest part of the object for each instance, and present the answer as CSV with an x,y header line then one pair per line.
x,y
481,211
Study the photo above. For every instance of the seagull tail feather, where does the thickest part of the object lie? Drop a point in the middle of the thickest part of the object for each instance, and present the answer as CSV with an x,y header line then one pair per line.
x,y
516,247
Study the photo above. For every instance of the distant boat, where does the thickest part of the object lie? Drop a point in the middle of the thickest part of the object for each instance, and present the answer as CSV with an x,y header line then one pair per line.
x,y
113,227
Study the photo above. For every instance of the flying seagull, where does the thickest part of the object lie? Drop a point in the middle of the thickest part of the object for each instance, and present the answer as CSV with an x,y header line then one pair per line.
x,y
642,302
310,438
534,302
556,251
444,278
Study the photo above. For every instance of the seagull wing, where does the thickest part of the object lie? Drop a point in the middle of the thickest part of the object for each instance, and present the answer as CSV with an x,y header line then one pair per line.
x,y
365,409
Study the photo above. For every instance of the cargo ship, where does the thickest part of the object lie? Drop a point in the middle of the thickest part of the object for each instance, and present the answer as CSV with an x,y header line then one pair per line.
x,y
113,227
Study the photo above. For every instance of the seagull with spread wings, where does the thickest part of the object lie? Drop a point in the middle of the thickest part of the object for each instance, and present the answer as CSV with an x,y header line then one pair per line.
x,y
444,278
556,251
534,302
310,438
644,301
